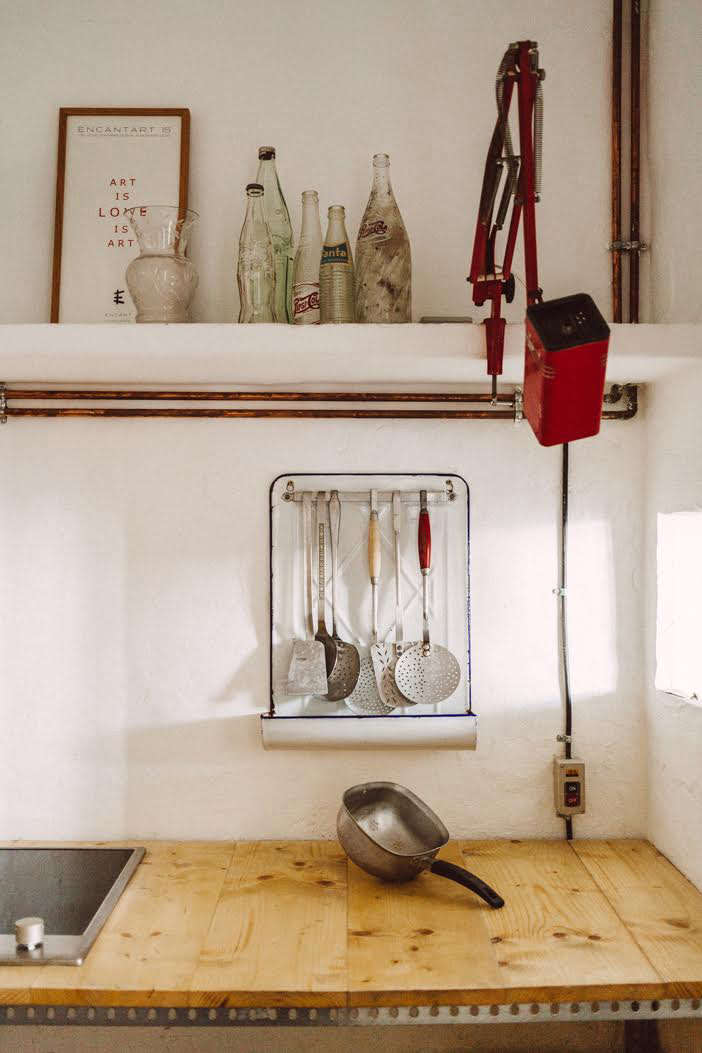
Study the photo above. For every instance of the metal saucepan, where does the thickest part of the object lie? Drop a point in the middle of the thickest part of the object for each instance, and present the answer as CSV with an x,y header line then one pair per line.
x,y
389,832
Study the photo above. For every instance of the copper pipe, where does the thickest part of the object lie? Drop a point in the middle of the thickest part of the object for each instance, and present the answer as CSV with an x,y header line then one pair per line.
x,y
36,394
635,159
289,414
617,160
276,414
30,394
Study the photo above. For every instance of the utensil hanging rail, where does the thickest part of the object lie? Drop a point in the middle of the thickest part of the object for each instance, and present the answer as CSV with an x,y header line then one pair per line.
x,y
383,497
506,407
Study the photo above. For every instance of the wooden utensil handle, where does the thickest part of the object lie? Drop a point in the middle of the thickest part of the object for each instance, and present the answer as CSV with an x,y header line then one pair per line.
x,y
374,547
424,533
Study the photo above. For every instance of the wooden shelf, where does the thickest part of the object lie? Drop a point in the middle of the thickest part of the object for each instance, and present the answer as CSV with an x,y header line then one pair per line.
x,y
273,923
423,357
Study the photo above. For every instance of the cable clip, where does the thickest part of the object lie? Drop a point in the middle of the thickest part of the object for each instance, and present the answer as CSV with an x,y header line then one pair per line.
x,y
3,404
564,738
559,591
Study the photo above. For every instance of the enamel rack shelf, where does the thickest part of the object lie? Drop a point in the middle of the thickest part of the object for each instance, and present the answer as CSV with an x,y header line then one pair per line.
x,y
298,503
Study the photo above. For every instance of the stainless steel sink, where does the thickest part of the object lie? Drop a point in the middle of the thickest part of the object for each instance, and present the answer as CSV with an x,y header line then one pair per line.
x,y
73,890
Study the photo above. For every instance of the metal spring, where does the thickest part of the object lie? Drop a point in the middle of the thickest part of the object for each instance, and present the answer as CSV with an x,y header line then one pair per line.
x,y
506,64
538,137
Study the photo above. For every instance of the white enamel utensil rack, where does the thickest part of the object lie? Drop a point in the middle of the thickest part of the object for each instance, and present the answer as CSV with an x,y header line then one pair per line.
x,y
313,722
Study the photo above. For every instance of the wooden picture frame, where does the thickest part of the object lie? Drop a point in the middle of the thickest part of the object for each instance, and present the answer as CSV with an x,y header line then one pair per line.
x,y
83,178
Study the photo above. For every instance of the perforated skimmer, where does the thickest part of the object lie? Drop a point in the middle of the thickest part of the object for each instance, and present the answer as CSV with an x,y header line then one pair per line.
x,y
385,655
426,672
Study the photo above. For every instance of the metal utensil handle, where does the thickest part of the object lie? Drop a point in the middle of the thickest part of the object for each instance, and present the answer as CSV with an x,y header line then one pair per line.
x,y
374,559
468,880
424,548
321,565
334,532
307,555
397,526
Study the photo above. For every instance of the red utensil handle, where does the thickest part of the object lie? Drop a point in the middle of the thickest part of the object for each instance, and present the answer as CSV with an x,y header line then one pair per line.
x,y
424,533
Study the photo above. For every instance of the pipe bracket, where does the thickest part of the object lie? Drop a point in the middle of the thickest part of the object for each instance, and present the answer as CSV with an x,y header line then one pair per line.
x,y
628,246
518,406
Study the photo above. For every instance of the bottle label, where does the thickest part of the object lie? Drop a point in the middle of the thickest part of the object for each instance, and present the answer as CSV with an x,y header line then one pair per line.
x,y
335,253
305,300
375,229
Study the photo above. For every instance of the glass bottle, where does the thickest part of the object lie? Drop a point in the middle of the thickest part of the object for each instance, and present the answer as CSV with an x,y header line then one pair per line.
x,y
255,271
336,299
305,296
278,220
383,257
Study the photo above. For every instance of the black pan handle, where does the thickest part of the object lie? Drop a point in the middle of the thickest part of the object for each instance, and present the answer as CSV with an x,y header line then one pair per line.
x,y
468,880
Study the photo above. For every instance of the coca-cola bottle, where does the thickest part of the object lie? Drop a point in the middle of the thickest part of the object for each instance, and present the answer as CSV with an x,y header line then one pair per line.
x,y
306,267
383,258
278,220
336,301
255,272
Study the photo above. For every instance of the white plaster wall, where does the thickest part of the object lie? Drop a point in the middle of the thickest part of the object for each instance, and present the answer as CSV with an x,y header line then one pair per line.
x,y
134,629
674,438
674,483
133,613
675,158
329,83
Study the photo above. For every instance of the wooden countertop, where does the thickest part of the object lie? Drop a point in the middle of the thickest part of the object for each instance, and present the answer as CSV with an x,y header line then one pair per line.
x,y
265,924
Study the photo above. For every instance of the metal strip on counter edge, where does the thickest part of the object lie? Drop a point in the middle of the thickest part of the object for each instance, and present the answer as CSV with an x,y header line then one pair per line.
x,y
380,1016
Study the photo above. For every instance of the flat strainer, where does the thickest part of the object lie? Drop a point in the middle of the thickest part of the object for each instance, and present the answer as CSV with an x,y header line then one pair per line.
x,y
426,672
307,674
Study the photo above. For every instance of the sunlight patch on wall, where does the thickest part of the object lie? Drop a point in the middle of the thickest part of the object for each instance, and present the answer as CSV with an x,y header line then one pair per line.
x,y
678,621
592,608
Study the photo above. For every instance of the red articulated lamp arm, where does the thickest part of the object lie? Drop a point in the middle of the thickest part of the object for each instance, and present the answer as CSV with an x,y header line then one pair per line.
x,y
519,65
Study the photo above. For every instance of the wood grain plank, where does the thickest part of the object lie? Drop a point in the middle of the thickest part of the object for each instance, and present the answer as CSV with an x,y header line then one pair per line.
x,y
265,924
16,982
661,909
148,950
278,936
556,933
428,935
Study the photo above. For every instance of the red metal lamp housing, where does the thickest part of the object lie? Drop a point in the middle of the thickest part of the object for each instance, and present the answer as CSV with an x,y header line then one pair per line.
x,y
564,368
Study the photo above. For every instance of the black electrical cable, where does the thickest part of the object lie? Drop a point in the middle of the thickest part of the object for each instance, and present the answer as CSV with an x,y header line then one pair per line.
x,y
563,619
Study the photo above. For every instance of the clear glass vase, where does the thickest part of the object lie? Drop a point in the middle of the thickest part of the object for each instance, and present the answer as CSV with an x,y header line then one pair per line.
x,y
161,281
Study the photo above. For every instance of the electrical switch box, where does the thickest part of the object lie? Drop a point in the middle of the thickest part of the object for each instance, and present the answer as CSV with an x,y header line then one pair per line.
x,y
569,786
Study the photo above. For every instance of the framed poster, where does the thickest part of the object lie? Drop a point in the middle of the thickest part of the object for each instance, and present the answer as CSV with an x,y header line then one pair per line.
x,y
108,161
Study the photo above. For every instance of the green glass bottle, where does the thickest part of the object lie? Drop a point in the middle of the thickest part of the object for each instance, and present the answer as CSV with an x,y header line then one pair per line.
x,y
278,220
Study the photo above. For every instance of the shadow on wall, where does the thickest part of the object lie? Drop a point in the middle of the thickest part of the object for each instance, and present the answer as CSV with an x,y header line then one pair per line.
x,y
135,634
212,779
588,1037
